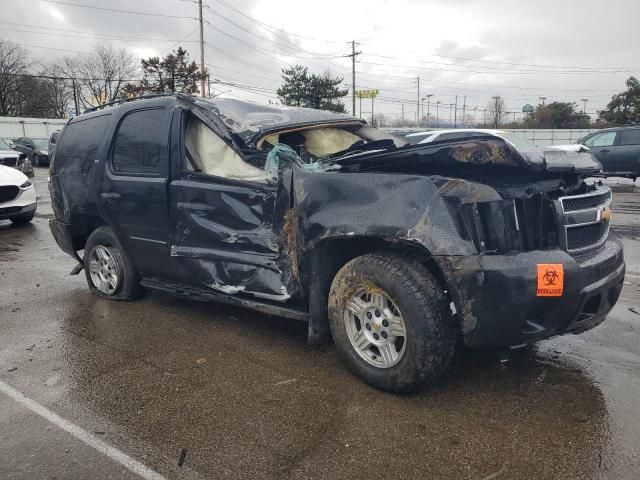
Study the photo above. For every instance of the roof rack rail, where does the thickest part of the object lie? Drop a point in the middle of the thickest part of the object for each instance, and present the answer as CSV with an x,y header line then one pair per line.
x,y
182,96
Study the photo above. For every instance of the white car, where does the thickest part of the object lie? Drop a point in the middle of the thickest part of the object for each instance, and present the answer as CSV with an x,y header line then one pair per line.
x,y
17,196
462,133
8,156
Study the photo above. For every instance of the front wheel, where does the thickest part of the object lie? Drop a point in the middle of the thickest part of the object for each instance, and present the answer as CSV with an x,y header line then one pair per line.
x,y
109,271
36,160
390,322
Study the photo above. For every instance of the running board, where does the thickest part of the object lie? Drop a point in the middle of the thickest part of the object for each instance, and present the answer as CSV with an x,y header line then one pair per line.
x,y
200,294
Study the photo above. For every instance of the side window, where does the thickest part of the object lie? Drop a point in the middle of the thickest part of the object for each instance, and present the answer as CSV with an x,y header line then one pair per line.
x,y
604,139
79,143
207,153
630,137
141,143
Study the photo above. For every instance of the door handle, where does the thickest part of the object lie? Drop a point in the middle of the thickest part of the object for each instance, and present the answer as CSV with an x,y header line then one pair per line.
x,y
195,207
110,196
606,150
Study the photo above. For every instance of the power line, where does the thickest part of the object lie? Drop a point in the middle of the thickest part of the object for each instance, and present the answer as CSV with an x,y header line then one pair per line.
x,y
130,12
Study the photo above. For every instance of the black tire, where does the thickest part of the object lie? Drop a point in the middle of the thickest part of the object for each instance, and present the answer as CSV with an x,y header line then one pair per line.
x,y
128,287
430,332
35,160
22,220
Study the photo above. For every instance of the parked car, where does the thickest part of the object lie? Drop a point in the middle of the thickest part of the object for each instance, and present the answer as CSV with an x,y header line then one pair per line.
x,y
17,196
11,158
53,138
617,149
467,133
8,156
394,250
36,149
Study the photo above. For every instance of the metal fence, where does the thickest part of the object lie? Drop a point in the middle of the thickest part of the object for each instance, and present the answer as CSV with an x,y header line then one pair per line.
x,y
15,127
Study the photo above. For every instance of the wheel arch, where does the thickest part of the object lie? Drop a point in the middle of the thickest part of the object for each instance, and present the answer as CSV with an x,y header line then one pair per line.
x,y
325,260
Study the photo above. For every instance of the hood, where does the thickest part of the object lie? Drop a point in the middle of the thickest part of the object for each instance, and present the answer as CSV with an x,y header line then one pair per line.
x,y
11,176
572,147
475,154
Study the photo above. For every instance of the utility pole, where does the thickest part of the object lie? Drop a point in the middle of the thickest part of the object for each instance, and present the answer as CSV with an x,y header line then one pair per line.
x,y
464,109
422,103
403,114
455,114
496,116
208,85
202,69
450,113
585,100
418,113
428,102
353,56
437,105
543,100
372,122
75,97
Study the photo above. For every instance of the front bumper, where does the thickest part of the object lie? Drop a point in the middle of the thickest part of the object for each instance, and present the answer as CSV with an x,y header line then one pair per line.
x,y
22,206
496,302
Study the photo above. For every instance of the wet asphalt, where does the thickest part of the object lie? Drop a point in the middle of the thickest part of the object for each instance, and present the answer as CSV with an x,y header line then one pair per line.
x,y
238,394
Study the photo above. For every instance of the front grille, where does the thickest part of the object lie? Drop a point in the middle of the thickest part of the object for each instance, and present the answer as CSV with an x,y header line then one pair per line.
x,y
8,193
584,221
584,236
9,161
571,204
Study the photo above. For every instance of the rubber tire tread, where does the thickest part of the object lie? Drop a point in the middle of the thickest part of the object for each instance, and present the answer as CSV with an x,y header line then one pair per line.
x,y
430,328
130,288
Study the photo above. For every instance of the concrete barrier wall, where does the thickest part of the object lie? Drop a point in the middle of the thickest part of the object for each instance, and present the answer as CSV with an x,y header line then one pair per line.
x,y
540,136
14,127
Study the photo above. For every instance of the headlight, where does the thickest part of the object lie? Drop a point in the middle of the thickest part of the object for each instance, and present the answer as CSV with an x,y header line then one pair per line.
x,y
26,184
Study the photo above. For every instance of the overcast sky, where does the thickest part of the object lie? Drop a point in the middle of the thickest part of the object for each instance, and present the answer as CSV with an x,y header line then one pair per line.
x,y
562,49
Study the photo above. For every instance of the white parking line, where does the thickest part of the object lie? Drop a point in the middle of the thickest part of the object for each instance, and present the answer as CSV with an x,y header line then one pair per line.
x,y
631,275
111,452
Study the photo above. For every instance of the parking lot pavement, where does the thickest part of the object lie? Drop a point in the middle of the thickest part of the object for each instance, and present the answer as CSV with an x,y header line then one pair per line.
x,y
228,393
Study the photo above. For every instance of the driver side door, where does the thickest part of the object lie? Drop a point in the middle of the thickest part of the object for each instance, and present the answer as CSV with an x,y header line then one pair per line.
x,y
226,220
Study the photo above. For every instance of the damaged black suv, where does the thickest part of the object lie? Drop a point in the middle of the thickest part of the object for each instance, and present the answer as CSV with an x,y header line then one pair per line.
x,y
394,250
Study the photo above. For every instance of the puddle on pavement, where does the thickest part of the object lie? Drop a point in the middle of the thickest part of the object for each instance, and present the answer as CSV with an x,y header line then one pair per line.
x,y
537,415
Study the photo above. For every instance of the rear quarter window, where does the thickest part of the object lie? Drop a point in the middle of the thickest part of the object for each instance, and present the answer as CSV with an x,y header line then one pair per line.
x,y
630,137
78,144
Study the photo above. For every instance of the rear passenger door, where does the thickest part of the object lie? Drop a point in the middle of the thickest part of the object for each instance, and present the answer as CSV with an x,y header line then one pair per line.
x,y
628,151
133,192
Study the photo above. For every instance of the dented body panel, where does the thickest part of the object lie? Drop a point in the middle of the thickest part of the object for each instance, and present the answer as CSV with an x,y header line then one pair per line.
x,y
481,215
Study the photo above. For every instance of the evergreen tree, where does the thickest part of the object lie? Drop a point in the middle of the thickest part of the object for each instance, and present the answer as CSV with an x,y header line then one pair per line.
x,y
173,73
301,89
624,107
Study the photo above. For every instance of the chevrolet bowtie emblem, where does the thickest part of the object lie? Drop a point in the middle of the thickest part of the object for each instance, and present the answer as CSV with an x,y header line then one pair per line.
x,y
605,214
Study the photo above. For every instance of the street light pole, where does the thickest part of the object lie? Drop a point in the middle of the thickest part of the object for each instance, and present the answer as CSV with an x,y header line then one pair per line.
x,y
543,100
585,100
437,107
428,102
422,116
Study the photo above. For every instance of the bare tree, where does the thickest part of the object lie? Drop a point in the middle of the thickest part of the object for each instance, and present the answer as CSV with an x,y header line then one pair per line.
x,y
101,75
59,89
496,110
13,64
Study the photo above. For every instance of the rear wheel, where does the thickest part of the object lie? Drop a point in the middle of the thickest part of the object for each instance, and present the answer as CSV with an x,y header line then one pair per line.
x,y
390,322
35,160
108,270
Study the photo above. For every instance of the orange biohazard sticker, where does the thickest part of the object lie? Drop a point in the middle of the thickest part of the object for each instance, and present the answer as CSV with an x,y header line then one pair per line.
x,y
550,280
